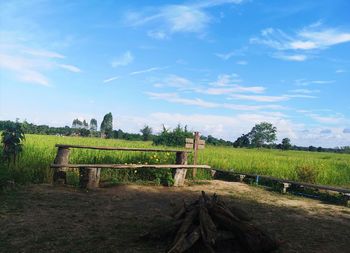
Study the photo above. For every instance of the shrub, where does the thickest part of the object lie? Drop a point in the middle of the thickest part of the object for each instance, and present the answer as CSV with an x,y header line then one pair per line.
x,y
12,139
173,138
306,174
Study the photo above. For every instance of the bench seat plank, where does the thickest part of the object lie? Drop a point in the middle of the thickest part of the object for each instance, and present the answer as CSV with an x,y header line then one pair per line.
x,y
131,166
121,148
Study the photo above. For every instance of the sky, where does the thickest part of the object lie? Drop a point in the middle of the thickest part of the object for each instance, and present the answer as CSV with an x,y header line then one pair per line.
x,y
218,66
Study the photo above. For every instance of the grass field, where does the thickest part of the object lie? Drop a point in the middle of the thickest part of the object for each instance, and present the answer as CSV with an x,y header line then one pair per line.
x,y
315,167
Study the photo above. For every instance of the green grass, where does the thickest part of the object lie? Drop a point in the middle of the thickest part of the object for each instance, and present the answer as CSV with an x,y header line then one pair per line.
x,y
39,152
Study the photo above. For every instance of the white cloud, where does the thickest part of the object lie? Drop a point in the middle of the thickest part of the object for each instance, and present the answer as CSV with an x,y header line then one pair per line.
x,y
291,57
43,53
226,56
305,82
310,38
338,71
123,60
175,98
70,68
175,18
259,98
304,91
25,70
157,35
146,70
111,79
332,119
242,62
175,81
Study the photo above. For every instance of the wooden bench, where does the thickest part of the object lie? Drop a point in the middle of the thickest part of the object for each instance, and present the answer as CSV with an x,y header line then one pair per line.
x,y
90,173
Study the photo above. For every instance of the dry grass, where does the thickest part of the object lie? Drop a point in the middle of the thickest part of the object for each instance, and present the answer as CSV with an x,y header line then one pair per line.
x,y
42,218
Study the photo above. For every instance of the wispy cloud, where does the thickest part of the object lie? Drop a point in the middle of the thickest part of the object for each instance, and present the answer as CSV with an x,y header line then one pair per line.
x,y
111,79
146,70
241,62
125,59
310,38
305,82
175,98
176,18
70,68
290,57
304,91
30,64
259,98
43,53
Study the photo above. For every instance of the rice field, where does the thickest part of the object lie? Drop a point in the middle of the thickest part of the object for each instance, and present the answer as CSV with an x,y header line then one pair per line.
x,y
315,167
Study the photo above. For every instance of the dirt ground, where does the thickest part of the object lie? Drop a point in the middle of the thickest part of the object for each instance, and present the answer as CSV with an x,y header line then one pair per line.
x,y
43,218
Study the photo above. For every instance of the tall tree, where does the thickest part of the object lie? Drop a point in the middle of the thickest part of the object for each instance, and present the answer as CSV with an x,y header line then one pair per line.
x,y
93,125
262,133
286,144
85,125
107,125
77,123
146,133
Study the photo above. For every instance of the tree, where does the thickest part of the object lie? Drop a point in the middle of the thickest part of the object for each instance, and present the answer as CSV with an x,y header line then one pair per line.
x,y
107,125
93,125
146,133
242,141
12,139
262,133
77,123
85,125
285,145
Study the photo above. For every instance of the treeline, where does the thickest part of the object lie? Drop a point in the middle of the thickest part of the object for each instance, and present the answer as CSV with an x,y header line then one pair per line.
x,y
262,135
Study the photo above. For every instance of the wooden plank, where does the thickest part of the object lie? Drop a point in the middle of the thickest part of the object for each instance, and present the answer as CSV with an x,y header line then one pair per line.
x,y
120,148
201,146
131,166
201,142
189,140
189,145
280,180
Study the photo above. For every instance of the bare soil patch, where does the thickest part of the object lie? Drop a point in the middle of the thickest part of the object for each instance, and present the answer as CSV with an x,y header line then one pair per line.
x,y
43,218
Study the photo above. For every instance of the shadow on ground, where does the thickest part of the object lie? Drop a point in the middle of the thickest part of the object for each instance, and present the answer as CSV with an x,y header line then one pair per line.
x,y
42,218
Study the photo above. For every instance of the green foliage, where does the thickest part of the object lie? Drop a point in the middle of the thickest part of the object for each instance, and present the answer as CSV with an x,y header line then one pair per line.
x,y
146,133
262,133
242,141
12,139
176,137
93,125
107,125
286,145
306,173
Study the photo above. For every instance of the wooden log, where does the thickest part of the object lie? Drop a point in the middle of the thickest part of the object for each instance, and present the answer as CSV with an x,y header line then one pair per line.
x,y
62,157
180,174
186,242
121,148
89,178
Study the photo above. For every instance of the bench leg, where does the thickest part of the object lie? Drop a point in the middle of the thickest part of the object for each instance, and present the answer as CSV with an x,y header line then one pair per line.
x,y
285,187
59,176
180,174
89,178
241,178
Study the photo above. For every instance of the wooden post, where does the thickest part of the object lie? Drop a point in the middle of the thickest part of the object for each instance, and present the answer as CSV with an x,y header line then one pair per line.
x,y
285,187
180,174
62,157
195,158
89,178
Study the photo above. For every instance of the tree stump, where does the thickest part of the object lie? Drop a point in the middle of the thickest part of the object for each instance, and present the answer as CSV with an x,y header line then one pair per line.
x,y
180,174
89,178
62,157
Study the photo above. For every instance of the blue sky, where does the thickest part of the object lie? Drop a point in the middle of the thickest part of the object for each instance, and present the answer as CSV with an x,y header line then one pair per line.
x,y
219,66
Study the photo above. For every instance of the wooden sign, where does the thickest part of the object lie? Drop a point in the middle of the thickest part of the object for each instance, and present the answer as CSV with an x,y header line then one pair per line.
x,y
196,143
